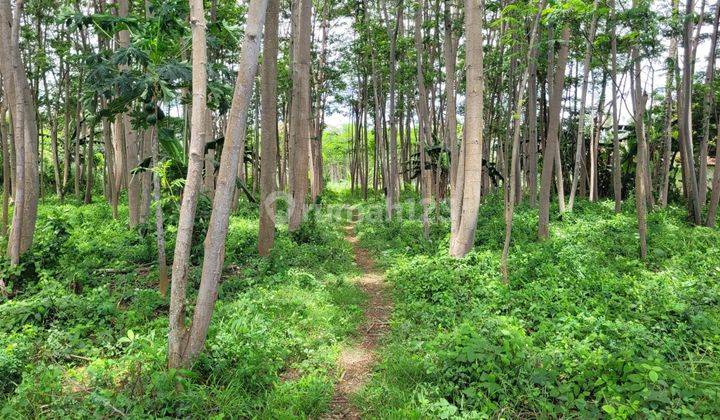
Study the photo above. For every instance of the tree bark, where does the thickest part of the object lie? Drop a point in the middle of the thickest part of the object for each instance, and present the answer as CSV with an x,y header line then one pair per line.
x,y
470,156
24,118
192,341
178,334
685,119
708,103
89,164
4,138
551,154
667,134
423,120
131,146
163,281
641,158
300,114
220,217
514,170
580,143
268,150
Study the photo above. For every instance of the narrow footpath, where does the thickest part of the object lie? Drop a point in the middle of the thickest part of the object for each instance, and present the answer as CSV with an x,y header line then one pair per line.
x,y
355,363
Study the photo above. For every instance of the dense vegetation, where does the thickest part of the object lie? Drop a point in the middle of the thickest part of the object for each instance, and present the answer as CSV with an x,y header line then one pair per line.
x,y
359,208
584,328
86,333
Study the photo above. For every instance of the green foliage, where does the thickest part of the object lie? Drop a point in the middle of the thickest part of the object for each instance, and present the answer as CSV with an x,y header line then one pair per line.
x,y
583,329
85,334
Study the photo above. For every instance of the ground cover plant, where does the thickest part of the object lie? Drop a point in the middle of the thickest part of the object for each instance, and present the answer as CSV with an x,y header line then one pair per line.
x,y
85,332
583,328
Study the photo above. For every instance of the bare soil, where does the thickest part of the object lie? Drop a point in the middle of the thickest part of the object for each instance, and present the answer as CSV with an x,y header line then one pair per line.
x,y
355,363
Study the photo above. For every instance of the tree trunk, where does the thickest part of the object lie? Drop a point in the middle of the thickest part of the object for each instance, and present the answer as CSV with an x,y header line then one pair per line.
x,y
616,175
4,138
667,134
89,164
220,217
685,120
551,154
131,146
178,334
715,197
641,159
163,280
595,140
300,112
268,152
24,118
532,153
580,143
514,170
423,120
708,103
468,181
392,183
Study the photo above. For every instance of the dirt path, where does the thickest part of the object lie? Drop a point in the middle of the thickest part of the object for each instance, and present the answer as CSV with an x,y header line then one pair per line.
x,y
355,363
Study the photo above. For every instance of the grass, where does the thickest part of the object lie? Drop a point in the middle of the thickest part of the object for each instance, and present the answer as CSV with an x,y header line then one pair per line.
x,y
584,328
86,333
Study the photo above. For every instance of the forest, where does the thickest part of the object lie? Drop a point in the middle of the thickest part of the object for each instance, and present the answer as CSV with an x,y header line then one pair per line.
x,y
350,209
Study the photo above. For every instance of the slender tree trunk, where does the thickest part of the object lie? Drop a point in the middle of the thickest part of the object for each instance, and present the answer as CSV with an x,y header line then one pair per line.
x,y
53,136
300,114
667,134
78,135
514,160
708,103
24,118
595,140
90,164
616,175
131,146
715,197
551,152
392,187
4,138
450,56
68,137
532,154
470,156
110,164
423,120
163,281
685,119
580,143
178,334
268,152
641,159
214,255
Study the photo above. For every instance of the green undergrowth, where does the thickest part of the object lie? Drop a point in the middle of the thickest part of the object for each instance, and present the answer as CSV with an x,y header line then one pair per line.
x,y
583,329
85,333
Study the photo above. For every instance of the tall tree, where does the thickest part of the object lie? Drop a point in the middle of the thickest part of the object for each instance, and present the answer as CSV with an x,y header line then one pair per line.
x,y
192,340
178,334
668,132
551,154
470,156
685,117
268,129
25,135
580,143
510,193
641,158
708,103
423,122
300,114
